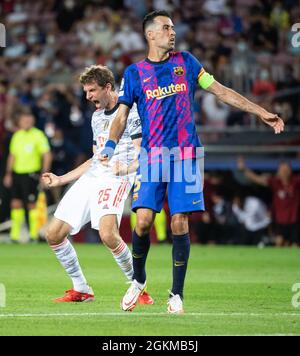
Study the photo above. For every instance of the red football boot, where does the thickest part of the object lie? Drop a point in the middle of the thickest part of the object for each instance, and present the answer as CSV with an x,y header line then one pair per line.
x,y
145,298
72,296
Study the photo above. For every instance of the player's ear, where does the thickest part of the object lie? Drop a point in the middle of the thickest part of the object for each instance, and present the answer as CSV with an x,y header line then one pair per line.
x,y
149,35
108,87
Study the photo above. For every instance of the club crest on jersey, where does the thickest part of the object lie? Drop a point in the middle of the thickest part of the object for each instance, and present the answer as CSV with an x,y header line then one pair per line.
x,y
105,125
178,70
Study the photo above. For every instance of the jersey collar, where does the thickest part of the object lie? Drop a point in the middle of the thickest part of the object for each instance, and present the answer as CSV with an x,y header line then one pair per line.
x,y
111,111
161,62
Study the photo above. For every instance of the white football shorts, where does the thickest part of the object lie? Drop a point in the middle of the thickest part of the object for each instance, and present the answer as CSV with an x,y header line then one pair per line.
x,y
90,198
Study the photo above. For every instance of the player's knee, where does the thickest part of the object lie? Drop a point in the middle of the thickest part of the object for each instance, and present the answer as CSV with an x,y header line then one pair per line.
x,y
109,238
179,225
53,236
143,225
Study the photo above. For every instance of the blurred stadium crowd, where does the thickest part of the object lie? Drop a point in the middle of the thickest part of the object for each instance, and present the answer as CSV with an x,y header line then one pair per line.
x,y
245,44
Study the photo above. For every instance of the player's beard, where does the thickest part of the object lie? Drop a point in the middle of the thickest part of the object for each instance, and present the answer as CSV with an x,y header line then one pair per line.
x,y
170,49
171,46
100,104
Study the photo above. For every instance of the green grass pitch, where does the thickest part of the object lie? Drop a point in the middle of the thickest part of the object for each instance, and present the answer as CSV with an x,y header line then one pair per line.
x,y
229,291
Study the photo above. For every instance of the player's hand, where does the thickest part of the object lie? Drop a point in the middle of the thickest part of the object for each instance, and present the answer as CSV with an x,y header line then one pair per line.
x,y
274,121
7,180
107,153
105,156
50,180
103,160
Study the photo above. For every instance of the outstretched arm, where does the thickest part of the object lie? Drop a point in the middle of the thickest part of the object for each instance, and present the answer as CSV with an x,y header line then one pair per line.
x,y
51,180
230,97
255,178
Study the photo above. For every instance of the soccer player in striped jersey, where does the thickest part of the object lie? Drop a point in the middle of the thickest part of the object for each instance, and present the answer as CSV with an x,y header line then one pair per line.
x,y
163,87
99,193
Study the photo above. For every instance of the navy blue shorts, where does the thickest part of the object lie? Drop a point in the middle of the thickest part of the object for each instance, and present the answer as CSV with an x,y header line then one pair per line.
x,y
181,179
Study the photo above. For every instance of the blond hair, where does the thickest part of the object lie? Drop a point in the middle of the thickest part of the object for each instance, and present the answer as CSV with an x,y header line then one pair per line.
x,y
99,74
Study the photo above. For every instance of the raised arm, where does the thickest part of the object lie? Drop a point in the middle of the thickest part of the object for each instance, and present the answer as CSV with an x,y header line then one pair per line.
x,y
230,97
255,178
119,123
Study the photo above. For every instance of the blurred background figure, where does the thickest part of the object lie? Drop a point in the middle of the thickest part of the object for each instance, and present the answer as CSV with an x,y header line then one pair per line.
x,y
29,156
285,188
253,214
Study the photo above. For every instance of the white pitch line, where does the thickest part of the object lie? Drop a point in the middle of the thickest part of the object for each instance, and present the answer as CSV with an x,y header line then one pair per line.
x,y
148,314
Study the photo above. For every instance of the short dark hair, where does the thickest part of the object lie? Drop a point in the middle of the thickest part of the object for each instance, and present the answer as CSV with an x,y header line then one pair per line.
x,y
99,74
23,111
20,111
148,19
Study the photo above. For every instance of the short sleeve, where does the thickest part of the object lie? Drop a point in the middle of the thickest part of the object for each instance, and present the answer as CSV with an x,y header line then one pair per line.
x,y
200,76
126,92
194,65
12,145
43,143
134,124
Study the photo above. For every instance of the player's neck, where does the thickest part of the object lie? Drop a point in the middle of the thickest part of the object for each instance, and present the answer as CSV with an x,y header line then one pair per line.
x,y
112,101
157,55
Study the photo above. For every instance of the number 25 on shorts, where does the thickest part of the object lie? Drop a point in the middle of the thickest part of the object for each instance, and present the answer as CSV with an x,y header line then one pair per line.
x,y
104,195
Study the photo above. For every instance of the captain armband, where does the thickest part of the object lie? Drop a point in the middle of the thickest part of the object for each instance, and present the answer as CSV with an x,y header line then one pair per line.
x,y
205,79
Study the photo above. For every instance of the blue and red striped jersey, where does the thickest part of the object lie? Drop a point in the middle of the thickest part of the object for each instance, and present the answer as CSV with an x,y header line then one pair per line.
x,y
164,93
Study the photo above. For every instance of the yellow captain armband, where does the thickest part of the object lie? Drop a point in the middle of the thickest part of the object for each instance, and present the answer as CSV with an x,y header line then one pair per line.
x,y
205,79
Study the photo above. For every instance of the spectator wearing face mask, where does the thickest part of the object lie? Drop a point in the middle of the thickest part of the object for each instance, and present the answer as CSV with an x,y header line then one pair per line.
x,y
263,85
128,39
